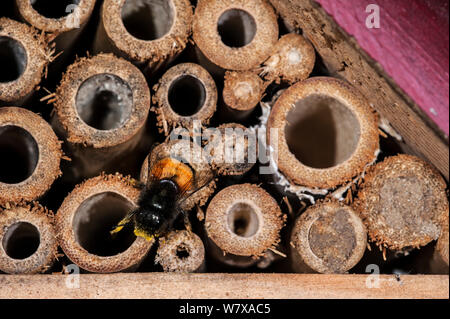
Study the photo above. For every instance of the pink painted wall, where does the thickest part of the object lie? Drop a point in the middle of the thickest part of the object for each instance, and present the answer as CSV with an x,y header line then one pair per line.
x,y
412,45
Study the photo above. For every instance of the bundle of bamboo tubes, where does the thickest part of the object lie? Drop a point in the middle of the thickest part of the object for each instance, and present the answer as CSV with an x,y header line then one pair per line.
x,y
286,169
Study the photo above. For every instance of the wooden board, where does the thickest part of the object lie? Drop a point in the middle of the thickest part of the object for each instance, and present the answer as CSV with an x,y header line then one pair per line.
x,y
345,59
411,44
224,286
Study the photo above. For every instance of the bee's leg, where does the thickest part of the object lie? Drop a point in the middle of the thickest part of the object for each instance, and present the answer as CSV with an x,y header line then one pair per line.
x,y
187,222
121,224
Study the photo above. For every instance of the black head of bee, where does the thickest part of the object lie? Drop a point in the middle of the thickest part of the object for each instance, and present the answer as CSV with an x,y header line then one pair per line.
x,y
157,207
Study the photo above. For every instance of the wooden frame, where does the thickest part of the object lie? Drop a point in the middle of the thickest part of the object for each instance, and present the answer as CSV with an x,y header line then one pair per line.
x,y
343,58
224,286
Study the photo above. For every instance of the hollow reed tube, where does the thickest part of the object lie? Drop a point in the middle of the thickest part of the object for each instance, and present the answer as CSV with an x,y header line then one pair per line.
x,y
30,155
23,59
27,239
86,217
101,107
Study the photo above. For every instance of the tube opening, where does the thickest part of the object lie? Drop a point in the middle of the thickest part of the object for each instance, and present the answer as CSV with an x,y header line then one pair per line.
x,y
54,9
182,252
237,28
148,19
187,95
13,59
104,102
321,131
19,154
21,240
243,220
94,220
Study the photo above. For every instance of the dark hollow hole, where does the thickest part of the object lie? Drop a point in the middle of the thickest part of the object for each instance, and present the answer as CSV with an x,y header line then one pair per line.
x,y
321,131
104,102
19,154
237,28
187,95
21,240
182,252
94,220
148,19
54,9
13,59
243,220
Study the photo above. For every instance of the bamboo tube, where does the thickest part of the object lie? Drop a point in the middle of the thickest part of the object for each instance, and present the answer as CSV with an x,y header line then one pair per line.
x,y
324,132
31,155
328,237
63,21
235,34
189,153
149,33
440,256
185,93
86,217
101,107
27,239
181,251
292,61
233,152
242,93
403,203
23,59
243,222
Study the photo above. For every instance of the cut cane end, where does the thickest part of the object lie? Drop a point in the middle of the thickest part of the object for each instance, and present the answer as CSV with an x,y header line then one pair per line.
x,y
241,162
403,203
181,251
28,242
31,155
322,111
23,58
243,90
244,220
121,83
293,60
86,217
214,31
148,48
66,15
186,93
329,237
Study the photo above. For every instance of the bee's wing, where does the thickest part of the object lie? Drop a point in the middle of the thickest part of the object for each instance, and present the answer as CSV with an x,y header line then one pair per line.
x,y
201,180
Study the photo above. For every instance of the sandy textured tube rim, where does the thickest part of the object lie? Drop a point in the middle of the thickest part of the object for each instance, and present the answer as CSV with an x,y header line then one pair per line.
x,y
167,256
415,176
148,51
442,245
208,39
76,130
48,165
366,148
292,61
195,158
243,90
36,56
167,117
44,256
66,235
218,161
84,11
301,235
269,215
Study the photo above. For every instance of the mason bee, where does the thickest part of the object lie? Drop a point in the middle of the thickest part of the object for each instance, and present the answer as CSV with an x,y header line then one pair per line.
x,y
170,183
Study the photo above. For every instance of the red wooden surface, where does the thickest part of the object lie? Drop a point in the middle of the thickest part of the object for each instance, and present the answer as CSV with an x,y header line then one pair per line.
x,y
412,45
